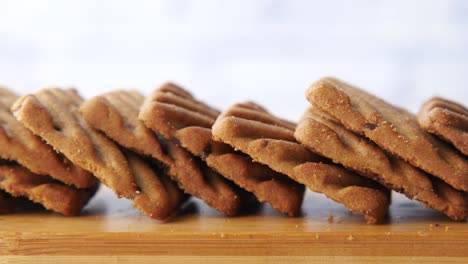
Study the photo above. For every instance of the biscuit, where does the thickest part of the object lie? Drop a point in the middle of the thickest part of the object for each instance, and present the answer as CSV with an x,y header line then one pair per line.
x,y
326,136
21,145
116,115
52,194
447,120
392,128
53,114
178,116
158,196
270,141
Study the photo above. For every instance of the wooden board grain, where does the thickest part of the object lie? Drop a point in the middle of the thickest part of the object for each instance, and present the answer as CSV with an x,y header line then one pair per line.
x,y
111,229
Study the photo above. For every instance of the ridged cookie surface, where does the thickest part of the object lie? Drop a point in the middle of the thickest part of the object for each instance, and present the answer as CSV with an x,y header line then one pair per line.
x,y
270,140
180,117
327,137
392,128
446,119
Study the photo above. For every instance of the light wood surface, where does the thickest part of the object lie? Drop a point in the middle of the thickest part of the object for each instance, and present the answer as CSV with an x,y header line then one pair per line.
x,y
111,230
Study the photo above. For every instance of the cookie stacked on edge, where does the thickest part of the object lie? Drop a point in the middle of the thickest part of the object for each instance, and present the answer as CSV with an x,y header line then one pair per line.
x,y
158,151
31,169
54,115
385,143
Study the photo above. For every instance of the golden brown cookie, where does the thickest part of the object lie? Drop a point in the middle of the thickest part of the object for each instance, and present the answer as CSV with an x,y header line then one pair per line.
x,y
178,116
53,114
19,144
52,194
158,196
116,115
326,136
392,128
447,120
270,140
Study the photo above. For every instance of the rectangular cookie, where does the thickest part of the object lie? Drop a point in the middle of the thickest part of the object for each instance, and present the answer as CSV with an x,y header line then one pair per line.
x,y
52,194
19,144
269,140
116,115
392,128
324,135
158,196
179,117
447,120
53,114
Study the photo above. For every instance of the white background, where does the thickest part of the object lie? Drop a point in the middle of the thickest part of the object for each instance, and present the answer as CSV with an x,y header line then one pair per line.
x,y
269,51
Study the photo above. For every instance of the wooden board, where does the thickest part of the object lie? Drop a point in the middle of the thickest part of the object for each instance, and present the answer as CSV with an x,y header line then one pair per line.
x,y
111,229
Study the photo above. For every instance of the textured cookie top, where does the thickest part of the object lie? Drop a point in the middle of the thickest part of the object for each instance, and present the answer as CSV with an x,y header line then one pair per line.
x,y
392,128
116,115
326,136
52,194
158,197
173,108
192,174
446,119
188,121
53,114
21,145
270,140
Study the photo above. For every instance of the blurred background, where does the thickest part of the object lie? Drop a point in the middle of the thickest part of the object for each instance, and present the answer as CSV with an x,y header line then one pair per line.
x,y
269,51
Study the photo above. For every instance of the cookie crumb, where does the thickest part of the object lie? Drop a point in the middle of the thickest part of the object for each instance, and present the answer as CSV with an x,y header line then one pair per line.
x,y
421,233
330,218
350,238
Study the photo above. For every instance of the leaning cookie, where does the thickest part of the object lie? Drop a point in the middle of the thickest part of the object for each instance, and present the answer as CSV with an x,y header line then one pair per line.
x,y
19,144
53,114
158,196
392,128
116,115
270,140
447,120
181,118
52,194
324,135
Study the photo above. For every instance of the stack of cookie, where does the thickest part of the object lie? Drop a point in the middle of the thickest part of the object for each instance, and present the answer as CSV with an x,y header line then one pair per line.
x,y
54,115
158,151
30,168
385,143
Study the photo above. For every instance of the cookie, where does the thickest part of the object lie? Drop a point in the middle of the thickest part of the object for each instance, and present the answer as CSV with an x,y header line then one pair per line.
x,y
21,145
158,196
392,128
179,117
447,120
116,115
270,140
52,194
53,114
324,135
